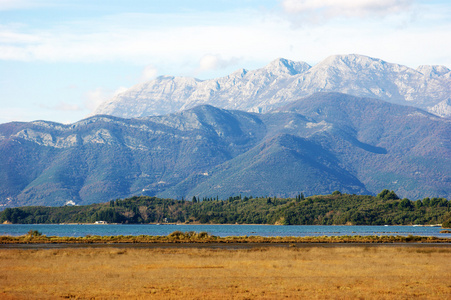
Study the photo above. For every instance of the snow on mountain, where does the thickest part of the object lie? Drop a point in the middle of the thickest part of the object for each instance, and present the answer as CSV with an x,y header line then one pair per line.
x,y
283,81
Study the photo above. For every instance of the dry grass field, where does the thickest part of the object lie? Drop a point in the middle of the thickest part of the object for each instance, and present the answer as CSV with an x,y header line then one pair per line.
x,y
308,272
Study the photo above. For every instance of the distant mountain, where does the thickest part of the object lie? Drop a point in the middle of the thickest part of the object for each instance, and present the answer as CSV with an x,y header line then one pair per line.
x,y
107,157
283,81
316,145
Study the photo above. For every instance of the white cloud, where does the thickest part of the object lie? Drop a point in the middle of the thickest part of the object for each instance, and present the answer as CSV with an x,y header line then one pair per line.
x,y
213,62
209,62
149,73
95,97
180,46
99,95
167,38
320,10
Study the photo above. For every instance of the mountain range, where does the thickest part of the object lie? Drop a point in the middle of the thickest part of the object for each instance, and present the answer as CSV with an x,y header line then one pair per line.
x,y
282,81
314,145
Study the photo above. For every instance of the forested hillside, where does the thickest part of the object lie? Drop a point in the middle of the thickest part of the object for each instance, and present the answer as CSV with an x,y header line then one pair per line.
x,y
334,209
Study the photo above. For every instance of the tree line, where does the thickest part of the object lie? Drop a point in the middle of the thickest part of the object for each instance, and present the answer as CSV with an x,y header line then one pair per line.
x,y
336,209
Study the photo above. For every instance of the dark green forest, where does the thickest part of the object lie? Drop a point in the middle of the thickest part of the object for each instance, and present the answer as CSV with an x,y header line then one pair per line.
x,y
335,209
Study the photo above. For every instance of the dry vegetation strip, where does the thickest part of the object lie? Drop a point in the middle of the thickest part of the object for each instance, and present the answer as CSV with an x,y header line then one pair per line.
x,y
370,272
34,237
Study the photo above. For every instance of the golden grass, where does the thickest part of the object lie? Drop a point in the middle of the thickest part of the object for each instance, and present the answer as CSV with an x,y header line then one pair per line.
x,y
344,272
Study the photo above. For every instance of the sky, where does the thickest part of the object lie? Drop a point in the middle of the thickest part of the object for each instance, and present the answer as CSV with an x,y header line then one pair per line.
x,y
59,59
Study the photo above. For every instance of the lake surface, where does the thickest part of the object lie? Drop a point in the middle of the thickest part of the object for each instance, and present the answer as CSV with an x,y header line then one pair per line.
x,y
221,230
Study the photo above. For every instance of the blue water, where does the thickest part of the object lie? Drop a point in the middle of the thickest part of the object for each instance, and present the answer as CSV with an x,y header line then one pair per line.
x,y
221,230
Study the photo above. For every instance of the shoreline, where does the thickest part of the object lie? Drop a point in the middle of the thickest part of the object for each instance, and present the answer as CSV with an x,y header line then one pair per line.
x,y
216,246
215,224
179,238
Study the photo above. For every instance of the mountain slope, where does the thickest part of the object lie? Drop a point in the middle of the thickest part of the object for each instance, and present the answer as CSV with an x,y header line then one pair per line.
x,y
284,165
105,157
331,141
283,81
318,144
399,147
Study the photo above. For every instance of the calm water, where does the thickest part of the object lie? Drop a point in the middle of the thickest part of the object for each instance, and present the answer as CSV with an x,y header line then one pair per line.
x,y
221,230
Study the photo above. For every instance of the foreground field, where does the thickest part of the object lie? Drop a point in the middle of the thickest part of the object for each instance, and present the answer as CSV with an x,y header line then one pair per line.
x,y
347,272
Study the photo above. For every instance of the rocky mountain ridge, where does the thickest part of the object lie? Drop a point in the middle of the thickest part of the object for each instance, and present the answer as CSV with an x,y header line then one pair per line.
x,y
316,145
283,81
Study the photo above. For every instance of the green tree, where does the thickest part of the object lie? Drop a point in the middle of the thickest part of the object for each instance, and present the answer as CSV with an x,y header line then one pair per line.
x,y
405,203
418,204
387,195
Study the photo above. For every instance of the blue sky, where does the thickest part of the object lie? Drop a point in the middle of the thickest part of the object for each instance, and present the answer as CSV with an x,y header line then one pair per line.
x,y
60,58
